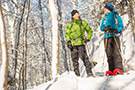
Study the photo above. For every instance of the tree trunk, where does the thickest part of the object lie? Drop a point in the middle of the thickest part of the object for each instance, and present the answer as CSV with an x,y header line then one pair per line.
x,y
20,75
54,37
17,38
4,65
62,35
132,19
25,48
45,53
74,3
11,22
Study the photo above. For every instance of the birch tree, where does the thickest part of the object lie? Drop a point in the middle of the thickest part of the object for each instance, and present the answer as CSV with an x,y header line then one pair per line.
x,y
74,3
25,47
4,65
17,38
59,4
132,19
54,37
45,55
11,20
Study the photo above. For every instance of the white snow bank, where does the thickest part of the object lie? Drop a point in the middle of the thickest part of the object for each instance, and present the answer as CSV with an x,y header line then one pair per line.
x,y
68,81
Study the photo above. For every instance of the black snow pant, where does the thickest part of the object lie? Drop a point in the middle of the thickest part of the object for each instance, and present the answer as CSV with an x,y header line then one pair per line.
x,y
113,56
80,51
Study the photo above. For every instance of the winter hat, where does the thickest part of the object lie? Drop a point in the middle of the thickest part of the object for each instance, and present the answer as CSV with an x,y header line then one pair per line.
x,y
74,12
109,6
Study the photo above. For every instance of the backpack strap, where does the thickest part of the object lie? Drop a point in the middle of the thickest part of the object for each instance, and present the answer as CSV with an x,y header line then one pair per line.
x,y
82,25
105,19
116,22
71,26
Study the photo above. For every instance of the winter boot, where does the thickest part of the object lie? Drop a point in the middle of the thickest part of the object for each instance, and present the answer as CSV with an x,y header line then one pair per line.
x,y
90,74
77,72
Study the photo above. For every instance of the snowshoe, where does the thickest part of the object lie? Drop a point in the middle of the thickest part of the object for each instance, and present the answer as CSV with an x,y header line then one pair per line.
x,y
90,74
117,71
108,73
100,74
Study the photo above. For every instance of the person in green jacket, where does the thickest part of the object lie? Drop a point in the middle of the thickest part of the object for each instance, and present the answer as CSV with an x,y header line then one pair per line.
x,y
76,41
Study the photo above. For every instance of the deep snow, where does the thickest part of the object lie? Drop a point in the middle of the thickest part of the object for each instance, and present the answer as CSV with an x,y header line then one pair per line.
x,y
68,81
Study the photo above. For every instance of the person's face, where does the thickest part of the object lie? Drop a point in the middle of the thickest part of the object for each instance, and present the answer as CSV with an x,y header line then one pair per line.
x,y
76,16
106,10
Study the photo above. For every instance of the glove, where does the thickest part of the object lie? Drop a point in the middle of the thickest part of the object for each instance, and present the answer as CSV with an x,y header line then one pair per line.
x,y
69,45
114,31
85,39
107,28
95,63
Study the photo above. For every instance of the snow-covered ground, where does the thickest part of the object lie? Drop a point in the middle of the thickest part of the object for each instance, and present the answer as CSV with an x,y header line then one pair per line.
x,y
68,81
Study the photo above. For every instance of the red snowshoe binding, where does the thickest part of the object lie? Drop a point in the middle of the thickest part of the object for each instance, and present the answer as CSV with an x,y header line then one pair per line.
x,y
108,73
117,71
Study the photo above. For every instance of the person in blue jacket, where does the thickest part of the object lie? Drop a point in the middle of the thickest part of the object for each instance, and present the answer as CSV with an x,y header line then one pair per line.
x,y
112,25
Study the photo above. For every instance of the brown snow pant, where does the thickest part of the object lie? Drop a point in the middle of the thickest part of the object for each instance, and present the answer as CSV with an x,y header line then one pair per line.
x,y
80,51
113,56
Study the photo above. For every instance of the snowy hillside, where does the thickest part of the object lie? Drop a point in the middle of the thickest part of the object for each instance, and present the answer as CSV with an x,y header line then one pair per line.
x,y
68,81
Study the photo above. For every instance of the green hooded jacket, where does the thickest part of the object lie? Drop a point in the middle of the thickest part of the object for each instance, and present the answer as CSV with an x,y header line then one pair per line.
x,y
75,31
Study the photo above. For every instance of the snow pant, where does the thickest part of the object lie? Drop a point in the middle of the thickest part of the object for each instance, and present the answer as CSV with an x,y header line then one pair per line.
x,y
80,52
113,56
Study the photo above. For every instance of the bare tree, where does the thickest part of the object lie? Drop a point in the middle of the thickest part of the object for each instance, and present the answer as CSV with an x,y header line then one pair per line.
x,y
132,19
59,4
25,48
45,52
74,3
4,65
18,38
20,78
54,37
11,20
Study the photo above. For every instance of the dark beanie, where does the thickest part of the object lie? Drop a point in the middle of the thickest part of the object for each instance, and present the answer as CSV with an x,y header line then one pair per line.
x,y
109,6
74,12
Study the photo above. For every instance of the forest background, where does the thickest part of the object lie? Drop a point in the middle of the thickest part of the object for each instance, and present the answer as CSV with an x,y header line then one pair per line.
x,y
32,36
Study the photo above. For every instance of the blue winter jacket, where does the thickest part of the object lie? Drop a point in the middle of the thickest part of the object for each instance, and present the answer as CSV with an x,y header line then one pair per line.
x,y
110,20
